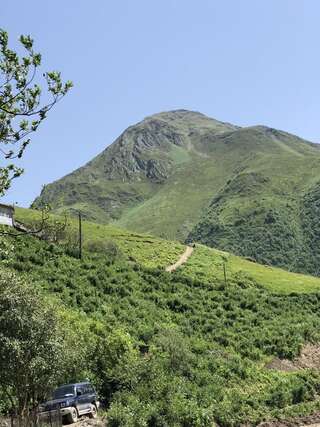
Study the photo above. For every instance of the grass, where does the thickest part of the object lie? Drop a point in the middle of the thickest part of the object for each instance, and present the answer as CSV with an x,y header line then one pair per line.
x,y
204,264
147,250
179,155
207,264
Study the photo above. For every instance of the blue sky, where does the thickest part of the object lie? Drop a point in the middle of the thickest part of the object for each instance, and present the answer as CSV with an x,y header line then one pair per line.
x,y
243,61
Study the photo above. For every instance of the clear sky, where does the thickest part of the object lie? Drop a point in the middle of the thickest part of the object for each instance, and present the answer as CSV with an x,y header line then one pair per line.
x,y
243,61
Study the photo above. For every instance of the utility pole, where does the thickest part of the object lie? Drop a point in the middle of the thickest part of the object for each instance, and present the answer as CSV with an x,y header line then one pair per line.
x,y
80,236
224,261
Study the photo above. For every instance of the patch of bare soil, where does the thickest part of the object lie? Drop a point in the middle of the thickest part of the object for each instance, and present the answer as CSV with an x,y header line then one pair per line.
x,y
4,422
89,422
308,420
84,421
309,359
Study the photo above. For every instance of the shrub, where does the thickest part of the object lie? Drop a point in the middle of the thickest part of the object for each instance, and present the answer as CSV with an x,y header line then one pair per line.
x,y
104,247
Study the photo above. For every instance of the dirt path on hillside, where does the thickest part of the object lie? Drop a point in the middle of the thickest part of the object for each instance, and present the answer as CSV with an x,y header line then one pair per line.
x,y
184,257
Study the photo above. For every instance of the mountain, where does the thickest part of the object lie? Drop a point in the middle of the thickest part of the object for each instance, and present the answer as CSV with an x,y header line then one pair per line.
x,y
254,191
134,168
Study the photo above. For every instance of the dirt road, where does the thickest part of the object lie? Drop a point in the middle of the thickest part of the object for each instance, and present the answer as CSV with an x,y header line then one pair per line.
x,y
184,257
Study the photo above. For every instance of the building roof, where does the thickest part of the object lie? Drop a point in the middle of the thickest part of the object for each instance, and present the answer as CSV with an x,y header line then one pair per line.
x,y
3,205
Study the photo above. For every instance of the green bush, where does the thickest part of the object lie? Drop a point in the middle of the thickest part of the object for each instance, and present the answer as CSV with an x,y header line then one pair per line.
x,y
108,248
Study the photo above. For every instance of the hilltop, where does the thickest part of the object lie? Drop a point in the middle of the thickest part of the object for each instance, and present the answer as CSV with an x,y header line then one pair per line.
x,y
253,191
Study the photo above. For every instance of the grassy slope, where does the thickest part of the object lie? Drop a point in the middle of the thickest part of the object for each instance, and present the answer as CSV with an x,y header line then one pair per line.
x,y
204,264
119,179
177,206
202,347
289,168
260,212
207,264
147,250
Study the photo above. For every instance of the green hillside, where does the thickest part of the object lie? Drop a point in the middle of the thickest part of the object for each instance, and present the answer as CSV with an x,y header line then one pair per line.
x,y
178,349
204,264
144,249
181,175
136,168
207,264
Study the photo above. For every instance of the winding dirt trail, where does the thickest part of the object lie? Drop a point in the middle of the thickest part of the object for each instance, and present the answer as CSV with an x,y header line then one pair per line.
x,y
184,257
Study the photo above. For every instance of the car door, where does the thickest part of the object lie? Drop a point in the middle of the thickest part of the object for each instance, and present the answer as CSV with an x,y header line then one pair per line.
x,y
87,398
81,399
91,394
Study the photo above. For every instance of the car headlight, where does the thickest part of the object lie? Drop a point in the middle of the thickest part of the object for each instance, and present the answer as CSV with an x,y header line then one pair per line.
x,y
63,404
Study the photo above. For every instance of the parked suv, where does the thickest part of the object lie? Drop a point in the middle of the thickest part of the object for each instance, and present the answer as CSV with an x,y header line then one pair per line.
x,y
73,400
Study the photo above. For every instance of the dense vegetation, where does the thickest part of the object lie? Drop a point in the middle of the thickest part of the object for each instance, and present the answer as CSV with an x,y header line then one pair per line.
x,y
35,346
169,349
205,264
285,234
270,236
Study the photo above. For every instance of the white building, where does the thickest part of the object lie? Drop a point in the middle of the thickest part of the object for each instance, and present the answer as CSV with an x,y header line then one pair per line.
x,y
6,215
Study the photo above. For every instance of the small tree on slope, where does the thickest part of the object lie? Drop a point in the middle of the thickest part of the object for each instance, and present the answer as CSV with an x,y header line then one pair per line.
x,y
33,352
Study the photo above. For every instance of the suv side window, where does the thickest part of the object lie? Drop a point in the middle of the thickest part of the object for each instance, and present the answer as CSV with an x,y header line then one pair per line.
x,y
80,390
89,389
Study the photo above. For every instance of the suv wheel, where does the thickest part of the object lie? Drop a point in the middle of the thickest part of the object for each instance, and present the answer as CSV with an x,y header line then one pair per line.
x,y
93,411
73,416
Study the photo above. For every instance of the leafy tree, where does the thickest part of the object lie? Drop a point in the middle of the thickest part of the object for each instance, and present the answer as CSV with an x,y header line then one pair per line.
x,y
21,107
33,351
115,362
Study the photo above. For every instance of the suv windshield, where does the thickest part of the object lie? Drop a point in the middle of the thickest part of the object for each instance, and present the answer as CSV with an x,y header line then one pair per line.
x,y
66,391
